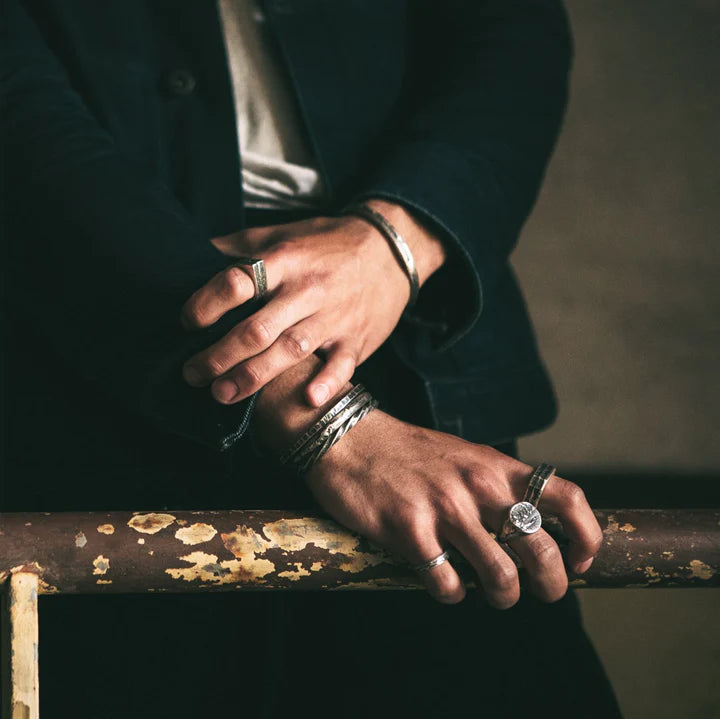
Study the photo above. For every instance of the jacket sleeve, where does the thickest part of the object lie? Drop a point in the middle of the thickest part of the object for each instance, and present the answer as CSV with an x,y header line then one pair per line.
x,y
102,256
485,102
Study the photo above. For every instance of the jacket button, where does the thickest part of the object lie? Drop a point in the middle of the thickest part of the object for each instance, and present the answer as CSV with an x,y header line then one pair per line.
x,y
180,82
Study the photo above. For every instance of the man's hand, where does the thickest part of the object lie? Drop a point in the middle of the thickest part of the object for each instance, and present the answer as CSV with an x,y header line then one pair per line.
x,y
417,492
334,285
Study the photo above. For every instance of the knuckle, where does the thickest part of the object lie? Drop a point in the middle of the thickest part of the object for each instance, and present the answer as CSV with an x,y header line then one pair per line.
x,y
234,280
574,496
257,333
547,556
214,366
452,509
248,377
297,344
503,578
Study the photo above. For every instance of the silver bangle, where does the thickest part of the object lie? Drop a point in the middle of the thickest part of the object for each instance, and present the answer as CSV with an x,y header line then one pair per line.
x,y
400,247
321,423
329,429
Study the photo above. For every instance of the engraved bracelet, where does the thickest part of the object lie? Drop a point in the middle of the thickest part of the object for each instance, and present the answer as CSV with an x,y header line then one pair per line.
x,y
398,244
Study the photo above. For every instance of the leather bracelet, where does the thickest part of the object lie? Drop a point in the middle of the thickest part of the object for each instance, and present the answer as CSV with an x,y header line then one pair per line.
x,y
400,248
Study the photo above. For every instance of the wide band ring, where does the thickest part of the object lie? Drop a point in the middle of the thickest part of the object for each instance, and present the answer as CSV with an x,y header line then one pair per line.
x,y
540,477
523,518
431,563
255,269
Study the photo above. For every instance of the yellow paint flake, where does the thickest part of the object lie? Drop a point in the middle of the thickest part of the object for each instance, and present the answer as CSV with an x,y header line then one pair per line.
x,y
141,540
701,570
150,523
627,527
206,568
295,574
668,555
294,535
80,540
101,564
106,529
196,533
103,581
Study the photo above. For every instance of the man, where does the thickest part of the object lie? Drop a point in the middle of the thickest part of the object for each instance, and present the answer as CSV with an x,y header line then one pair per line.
x,y
136,171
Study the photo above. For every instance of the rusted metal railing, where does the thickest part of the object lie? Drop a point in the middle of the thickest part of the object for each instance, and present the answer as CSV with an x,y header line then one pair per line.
x,y
116,552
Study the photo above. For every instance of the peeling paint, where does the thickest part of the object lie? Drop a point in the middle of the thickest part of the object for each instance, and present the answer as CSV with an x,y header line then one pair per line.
x,y
627,527
295,574
80,540
206,568
101,564
294,535
106,529
150,523
103,581
668,555
196,533
701,570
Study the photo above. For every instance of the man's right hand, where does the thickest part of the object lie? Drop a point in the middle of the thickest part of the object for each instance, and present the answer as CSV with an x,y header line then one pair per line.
x,y
417,492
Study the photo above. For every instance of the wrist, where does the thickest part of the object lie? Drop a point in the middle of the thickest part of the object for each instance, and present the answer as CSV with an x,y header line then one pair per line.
x,y
282,413
427,248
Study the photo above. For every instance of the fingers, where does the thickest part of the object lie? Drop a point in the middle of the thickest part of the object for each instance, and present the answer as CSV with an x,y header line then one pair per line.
x,y
543,561
252,337
442,582
568,501
248,377
226,290
496,571
336,372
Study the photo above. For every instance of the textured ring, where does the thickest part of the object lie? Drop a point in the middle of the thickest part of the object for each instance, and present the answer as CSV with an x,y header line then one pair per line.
x,y
540,477
255,269
431,563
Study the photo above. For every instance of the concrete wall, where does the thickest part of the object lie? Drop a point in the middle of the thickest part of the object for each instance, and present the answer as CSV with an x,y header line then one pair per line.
x,y
621,267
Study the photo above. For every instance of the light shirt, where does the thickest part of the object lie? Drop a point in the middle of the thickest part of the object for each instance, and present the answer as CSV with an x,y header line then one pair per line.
x,y
278,168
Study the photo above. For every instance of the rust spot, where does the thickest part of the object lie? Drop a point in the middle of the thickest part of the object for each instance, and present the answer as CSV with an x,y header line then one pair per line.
x,y
106,529
101,564
150,523
80,540
196,533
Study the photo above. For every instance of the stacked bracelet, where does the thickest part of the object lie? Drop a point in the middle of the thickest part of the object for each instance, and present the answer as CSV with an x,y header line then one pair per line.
x,y
398,244
329,429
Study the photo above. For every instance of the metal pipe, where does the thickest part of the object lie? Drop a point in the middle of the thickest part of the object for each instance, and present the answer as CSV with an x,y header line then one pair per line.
x,y
183,551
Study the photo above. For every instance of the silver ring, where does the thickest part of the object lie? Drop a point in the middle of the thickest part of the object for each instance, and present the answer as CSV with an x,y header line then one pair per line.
x,y
523,518
255,269
538,481
432,563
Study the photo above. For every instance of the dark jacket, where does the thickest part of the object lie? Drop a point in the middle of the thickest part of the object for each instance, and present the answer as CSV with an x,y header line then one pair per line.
x,y
120,161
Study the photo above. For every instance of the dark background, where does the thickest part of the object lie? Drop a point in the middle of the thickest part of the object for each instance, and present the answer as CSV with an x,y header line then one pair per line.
x,y
620,263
